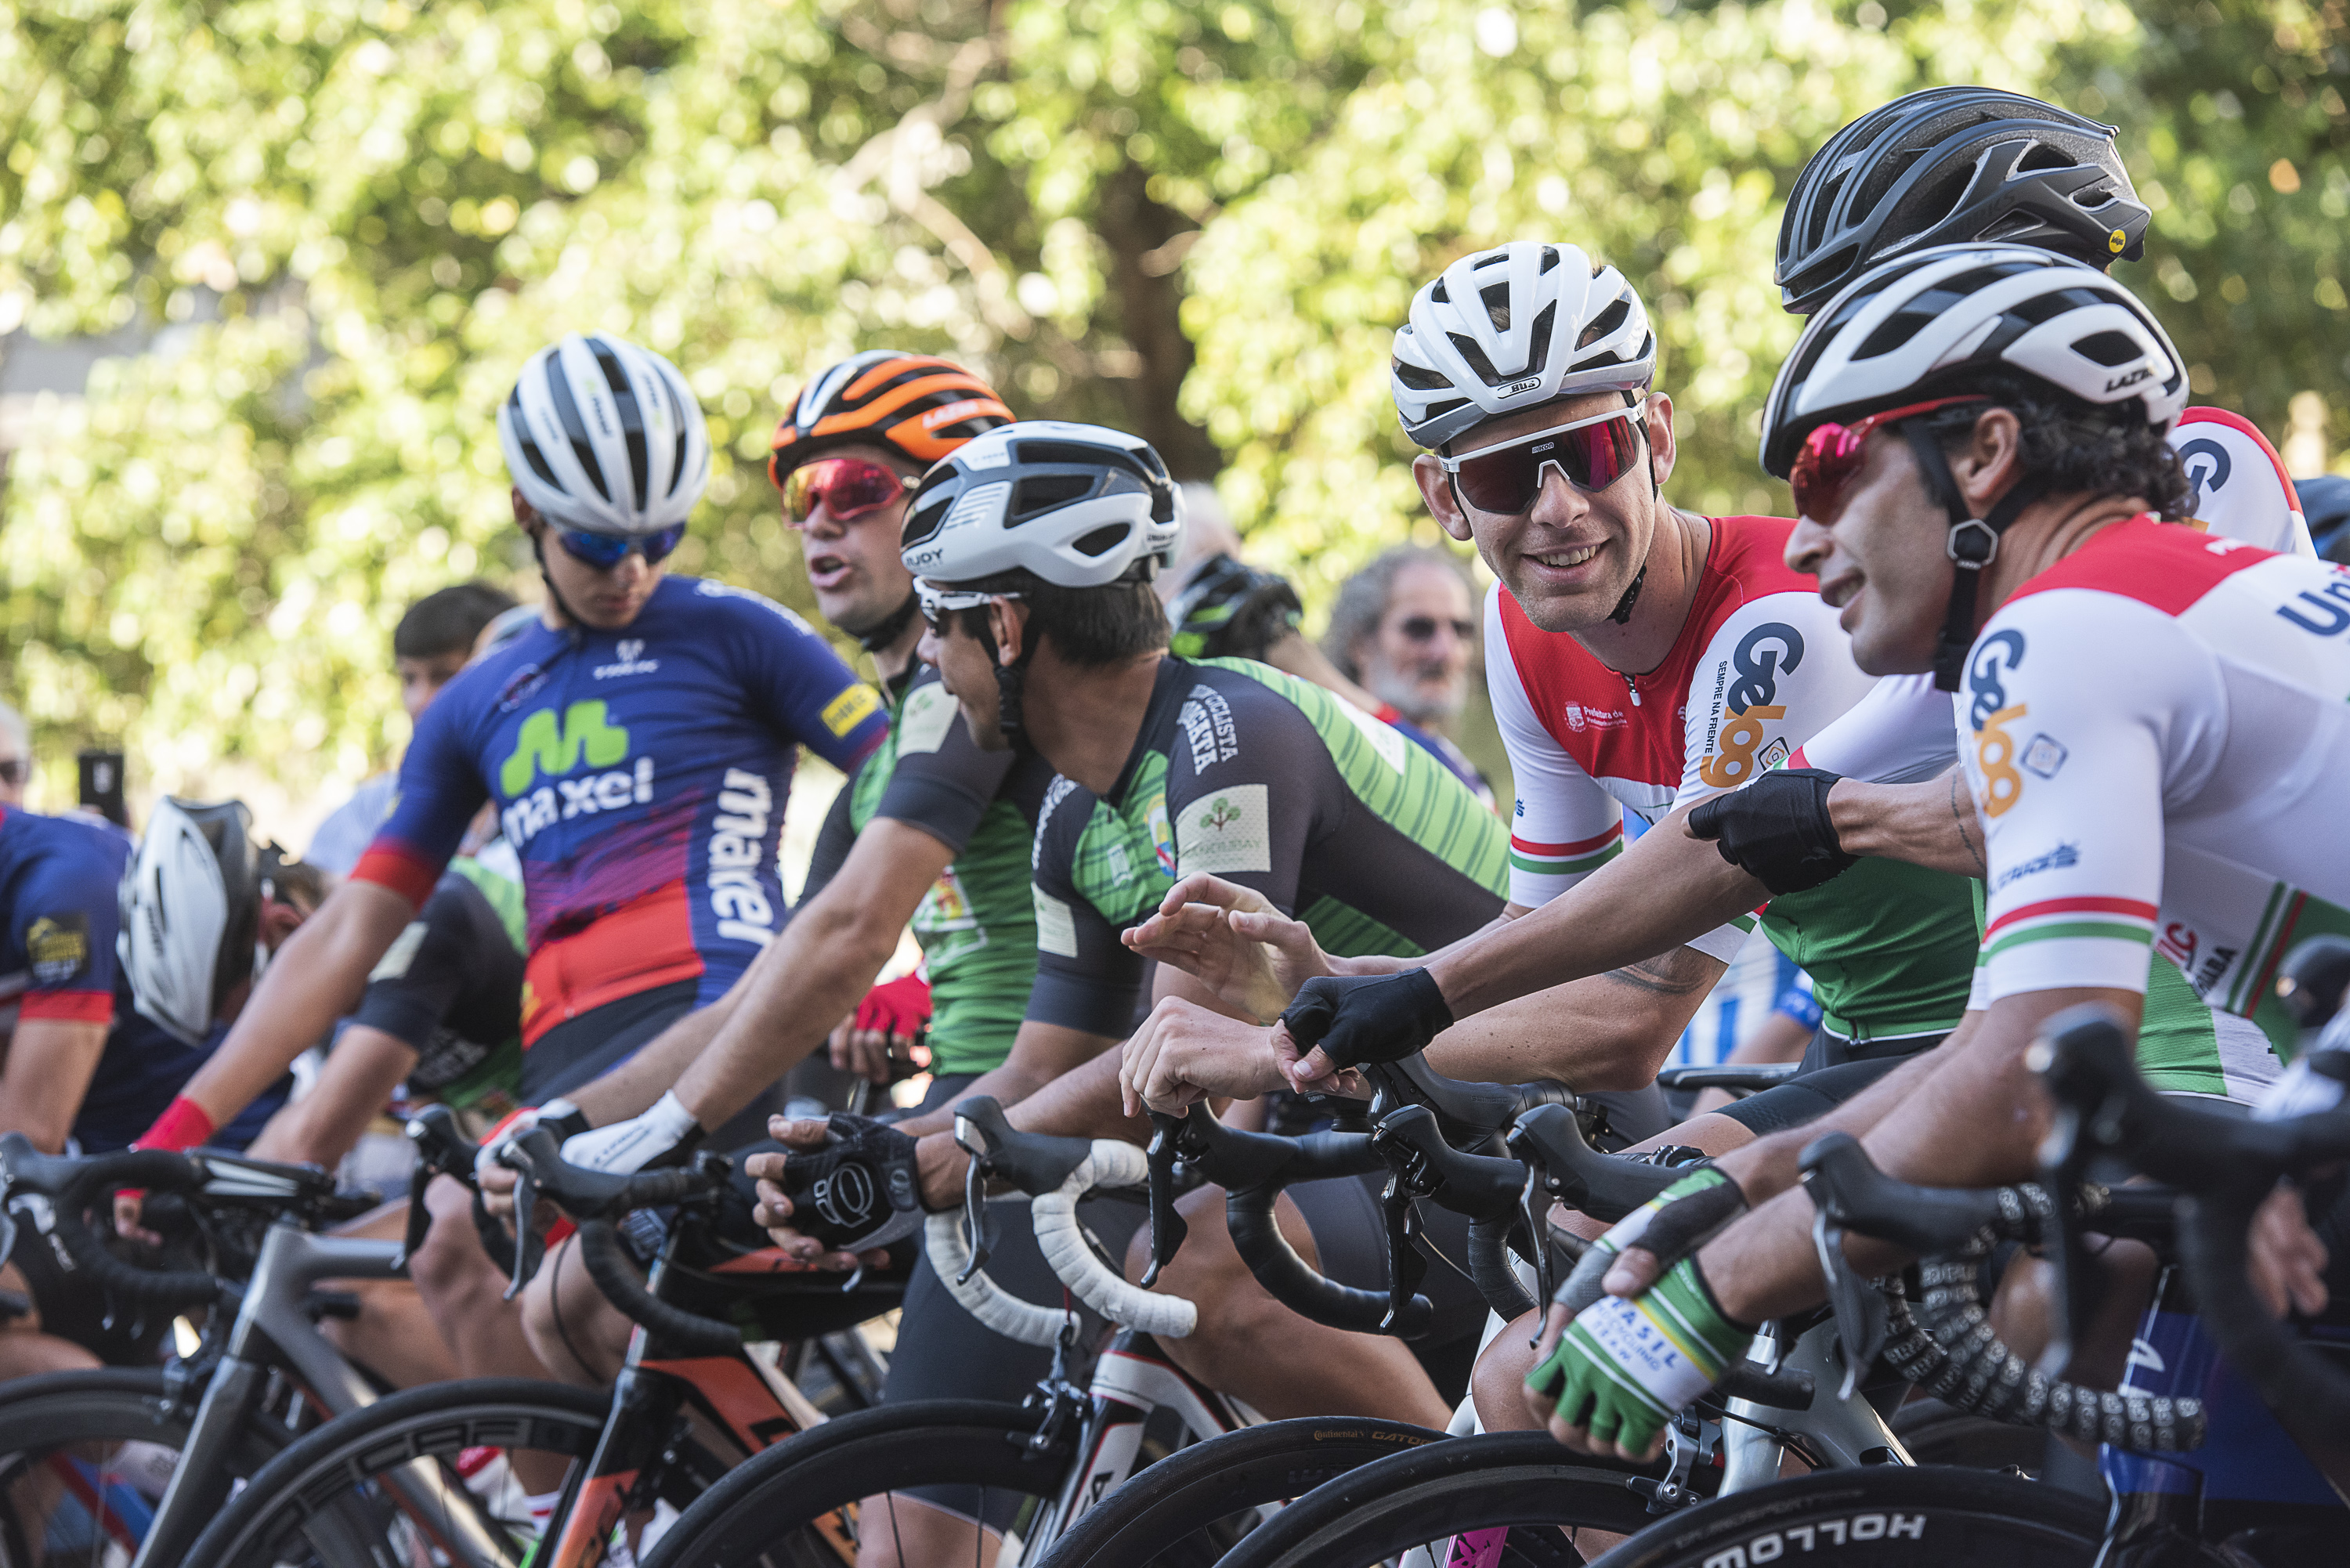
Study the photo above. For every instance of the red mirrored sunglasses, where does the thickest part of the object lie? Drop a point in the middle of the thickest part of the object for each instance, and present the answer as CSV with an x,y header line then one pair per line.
x,y
848,487
1830,456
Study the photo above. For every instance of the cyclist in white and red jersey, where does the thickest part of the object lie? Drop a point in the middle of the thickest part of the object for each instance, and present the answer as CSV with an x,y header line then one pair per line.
x,y
2153,721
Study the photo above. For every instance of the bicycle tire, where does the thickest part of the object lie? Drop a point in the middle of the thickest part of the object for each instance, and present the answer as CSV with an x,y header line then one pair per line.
x,y
1175,1507
765,1513
1945,1515
1521,1480
313,1497
47,1412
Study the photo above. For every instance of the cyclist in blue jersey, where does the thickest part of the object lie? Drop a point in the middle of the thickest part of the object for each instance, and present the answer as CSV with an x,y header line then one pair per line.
x,y
57,879
637,745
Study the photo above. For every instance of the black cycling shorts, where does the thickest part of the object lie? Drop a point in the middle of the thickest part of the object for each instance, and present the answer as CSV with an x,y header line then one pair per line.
x,y
1833,1070
581,1050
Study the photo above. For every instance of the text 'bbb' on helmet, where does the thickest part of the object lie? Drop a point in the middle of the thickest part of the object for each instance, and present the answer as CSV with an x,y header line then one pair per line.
x,y
1075,504
603,436
1937,322
190,912
1955,165
1514,328
919,407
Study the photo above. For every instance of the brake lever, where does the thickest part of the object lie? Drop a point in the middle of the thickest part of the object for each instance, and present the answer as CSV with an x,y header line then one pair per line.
x,y
1168,1228
2063,1153
420,1218
526,1200
975,1198
1862,1318
1406,1267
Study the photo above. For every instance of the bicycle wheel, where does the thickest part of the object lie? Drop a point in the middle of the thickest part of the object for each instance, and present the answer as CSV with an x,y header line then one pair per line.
x,y
1879,1518
331,1490
83,1455
1191,1506
1408,1507
783,1509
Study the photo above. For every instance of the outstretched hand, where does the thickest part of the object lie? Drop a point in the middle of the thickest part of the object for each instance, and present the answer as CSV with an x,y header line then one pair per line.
x,y
1231,939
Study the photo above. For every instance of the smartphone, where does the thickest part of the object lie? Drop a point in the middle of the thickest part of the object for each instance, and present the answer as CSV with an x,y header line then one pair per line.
x,y
102,785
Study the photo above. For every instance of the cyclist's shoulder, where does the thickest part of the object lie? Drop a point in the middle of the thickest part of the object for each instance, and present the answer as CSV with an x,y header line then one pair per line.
x,y
2239,485
32,844
703,606
2168,568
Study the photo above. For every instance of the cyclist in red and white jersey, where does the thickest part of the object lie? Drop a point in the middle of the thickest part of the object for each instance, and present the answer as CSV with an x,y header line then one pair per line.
x,y
2153,721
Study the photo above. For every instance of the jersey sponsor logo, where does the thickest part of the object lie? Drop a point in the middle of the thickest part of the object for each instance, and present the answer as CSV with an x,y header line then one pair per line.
x,y
929,713
1762,654
1207,721
2045,755
1055,793
520,687
632,660
1057,924
57,947
2207,465
850,709
2002,787
2325,612
738,840
1162,832
946,906
2063,857
1986,678
554,746
1748,688
1225,832
1733,761
1581,716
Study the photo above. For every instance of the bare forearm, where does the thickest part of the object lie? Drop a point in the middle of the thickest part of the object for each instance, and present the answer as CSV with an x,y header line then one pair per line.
x,y
365,1066
1041,1054
1609,1031
315,978
1664,892
45,1075
631,1088
1931,825
1768,1166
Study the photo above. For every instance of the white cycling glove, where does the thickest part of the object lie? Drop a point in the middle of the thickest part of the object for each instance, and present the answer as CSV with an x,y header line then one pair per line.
x,y
626,1148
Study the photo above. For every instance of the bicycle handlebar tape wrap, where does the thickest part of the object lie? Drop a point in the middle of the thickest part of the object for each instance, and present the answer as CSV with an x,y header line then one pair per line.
x,y
1368,1018
1777,829
859,1190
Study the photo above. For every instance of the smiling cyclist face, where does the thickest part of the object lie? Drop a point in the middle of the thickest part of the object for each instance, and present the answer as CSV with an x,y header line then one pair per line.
x,y
1569,555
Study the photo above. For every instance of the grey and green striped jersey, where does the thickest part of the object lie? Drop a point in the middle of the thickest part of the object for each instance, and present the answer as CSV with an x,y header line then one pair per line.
x,y
1264,780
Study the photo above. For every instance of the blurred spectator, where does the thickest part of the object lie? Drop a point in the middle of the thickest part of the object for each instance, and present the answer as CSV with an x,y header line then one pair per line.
x,y
431,643
1405,628
15,755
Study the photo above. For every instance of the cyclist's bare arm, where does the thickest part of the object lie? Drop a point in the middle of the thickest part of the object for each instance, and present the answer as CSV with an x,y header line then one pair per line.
x,y
1931,823
1041,1054
362,1070
315,978
1666,890
808,979
44,1075
1978,1127
1609,1031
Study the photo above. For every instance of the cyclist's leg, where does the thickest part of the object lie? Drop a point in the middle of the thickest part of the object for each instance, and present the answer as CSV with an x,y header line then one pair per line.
x,y
394,1336
25,1349
579,1336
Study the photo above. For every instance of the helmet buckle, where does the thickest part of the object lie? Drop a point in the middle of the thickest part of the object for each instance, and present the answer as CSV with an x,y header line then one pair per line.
x,y
1973,544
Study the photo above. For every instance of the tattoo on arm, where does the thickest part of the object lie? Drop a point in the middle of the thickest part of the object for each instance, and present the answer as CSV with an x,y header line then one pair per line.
x,y
1961,802
1676,973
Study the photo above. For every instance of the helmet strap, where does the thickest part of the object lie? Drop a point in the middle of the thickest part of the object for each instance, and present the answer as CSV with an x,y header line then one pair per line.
x,y
892,625
1622,613
1011,682
1623,610
538,550
1973,544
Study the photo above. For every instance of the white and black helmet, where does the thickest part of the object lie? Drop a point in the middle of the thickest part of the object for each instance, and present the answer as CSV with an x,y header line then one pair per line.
x,y
191,913
1942,318
603,436
1514,328
1077,506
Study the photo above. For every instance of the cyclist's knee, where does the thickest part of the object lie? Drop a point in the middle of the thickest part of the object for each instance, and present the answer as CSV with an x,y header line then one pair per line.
x,y
1498,1384
450,1263
574,1331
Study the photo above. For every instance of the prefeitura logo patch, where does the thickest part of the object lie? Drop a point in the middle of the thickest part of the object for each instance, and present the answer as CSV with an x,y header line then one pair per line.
x,y
56,947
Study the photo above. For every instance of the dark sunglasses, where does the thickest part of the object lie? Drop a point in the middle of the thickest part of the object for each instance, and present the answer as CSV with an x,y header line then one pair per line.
x,y
606,551
14,771
1422,629
1593,454
1832,456
848,487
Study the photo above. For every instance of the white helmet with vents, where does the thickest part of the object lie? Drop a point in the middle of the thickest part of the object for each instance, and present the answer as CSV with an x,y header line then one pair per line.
x,y
603,436
1944,317
1075,504
191,914
1513,328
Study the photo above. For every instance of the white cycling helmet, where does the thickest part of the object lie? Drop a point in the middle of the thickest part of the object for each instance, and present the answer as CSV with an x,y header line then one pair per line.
x,y
1075,504
1514,328
191,914
1937,320
603,436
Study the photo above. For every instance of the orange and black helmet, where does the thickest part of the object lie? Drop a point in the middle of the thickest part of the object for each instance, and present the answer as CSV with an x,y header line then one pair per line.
x,y
919,407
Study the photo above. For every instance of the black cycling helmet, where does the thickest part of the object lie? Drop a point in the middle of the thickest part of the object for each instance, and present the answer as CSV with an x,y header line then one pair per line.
x,y
1955,165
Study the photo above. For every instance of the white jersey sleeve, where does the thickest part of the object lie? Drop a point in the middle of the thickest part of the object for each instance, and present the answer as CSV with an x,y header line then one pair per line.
x,y
1899,732
2242,489
1563,824
1776,672
2070,753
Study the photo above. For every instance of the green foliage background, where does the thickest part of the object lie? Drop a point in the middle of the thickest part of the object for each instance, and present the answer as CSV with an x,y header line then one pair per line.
x,y
1201,221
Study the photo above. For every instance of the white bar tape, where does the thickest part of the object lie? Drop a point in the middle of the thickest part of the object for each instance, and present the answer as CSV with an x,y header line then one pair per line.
x,y
1062,1240
1007,1315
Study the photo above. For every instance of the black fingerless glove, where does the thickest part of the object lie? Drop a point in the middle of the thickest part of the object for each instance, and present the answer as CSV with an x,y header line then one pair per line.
x,y
1777,829
1368,1018
859,1192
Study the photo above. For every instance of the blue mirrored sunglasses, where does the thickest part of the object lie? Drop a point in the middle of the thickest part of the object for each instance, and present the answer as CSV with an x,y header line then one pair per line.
x,y
606,551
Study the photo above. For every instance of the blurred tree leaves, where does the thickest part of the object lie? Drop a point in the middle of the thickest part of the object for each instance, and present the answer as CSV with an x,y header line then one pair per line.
x,y
1198,219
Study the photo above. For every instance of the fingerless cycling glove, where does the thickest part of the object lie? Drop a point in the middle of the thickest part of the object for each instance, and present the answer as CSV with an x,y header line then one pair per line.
x,y
859,1192
1777,829
1368,1018
1628,1364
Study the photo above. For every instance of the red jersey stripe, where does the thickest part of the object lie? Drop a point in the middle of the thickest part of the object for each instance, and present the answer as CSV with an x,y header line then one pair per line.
x,y
2161,565
1578,847
403,873
73,1006
2087,905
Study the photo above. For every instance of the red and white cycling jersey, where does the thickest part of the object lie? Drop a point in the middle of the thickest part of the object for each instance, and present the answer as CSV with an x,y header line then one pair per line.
x,y
2156,731
1901,733
1760,664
